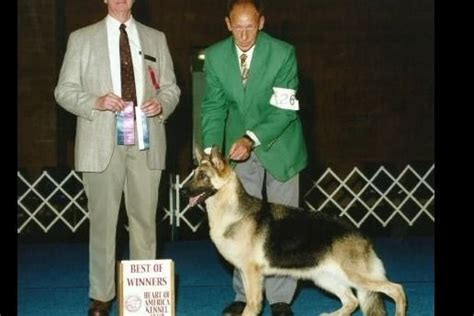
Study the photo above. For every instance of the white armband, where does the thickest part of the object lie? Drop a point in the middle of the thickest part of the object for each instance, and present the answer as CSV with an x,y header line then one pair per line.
x,y
284,98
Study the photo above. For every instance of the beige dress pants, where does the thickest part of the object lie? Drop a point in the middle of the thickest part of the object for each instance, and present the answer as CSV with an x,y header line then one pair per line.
x,y
127,172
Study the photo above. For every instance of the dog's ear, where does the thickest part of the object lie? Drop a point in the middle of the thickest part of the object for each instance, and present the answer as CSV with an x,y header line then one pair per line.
x,y
217,159
198,153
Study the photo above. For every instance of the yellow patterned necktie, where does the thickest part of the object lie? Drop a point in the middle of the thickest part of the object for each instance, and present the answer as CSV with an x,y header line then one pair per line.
x,y
244,68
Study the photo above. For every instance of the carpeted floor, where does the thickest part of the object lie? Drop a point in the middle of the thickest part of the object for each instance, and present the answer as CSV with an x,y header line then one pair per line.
x,y
53,279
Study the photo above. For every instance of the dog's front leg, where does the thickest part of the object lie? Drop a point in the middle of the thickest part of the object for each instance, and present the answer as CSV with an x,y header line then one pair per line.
x,y
253,281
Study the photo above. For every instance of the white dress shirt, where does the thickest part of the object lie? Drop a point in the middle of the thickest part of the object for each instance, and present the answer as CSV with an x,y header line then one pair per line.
x,y
249,54
113,36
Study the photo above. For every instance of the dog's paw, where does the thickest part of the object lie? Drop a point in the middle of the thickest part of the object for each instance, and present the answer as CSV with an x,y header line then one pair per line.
x,y
248,312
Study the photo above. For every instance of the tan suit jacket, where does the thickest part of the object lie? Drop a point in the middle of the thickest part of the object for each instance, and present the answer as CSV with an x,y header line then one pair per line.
x,y
85,75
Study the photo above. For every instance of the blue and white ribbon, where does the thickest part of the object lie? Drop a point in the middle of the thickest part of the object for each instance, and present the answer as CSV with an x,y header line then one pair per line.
x,y
126,125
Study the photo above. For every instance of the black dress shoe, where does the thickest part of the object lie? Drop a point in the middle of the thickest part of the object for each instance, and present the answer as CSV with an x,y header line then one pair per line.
x,y
234,309
281,309
99,308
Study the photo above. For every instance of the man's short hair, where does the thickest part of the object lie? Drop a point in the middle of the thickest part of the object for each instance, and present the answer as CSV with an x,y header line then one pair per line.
x,y
257,3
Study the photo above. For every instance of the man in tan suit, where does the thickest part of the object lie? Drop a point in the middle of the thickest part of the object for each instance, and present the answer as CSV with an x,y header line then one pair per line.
x,y
90,87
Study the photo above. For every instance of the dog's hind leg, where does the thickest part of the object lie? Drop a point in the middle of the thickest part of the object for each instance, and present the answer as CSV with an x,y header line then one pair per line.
x,y
368,274
393,290
336,286
364,270
371,303
253,284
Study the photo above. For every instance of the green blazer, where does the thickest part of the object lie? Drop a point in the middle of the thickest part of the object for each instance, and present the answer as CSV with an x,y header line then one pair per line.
x,y
229,109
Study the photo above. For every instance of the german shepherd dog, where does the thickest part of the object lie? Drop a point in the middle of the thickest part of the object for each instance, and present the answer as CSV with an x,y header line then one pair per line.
x,y
261,238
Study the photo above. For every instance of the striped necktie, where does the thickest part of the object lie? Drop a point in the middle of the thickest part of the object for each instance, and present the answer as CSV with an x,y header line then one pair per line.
x,y
244,70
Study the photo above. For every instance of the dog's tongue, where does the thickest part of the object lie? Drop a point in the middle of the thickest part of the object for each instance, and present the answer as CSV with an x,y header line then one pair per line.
x,y
193,200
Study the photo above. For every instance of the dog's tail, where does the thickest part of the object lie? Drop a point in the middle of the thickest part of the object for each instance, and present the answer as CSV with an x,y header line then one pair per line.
x,y
371,303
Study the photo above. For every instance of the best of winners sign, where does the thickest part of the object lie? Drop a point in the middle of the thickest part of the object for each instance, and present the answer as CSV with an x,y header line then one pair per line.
x,y
146,288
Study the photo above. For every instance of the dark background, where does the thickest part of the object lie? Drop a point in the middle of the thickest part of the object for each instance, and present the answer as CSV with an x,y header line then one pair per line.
x,y
366,72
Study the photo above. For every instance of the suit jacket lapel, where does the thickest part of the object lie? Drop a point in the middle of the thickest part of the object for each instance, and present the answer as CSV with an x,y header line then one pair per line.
x,y
146,47
101,48
257,68
233,69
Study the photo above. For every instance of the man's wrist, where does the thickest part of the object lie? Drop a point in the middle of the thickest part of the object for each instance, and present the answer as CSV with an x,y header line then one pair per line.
x,y
249,139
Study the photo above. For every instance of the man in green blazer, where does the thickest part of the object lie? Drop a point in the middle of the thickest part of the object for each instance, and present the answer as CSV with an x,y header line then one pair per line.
x,y
250,109
90,87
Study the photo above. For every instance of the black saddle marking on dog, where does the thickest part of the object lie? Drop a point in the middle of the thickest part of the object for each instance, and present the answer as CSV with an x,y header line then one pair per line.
x,y
302,238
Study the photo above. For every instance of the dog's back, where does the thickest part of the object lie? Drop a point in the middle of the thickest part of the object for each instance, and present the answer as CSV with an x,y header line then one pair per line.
x,y
301,238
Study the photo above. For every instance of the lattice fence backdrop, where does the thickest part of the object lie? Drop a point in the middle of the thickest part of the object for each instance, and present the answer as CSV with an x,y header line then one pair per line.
x,y
358,196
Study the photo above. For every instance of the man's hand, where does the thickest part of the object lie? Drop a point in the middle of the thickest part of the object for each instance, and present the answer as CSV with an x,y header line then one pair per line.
x,y
241,149
109,102
152,107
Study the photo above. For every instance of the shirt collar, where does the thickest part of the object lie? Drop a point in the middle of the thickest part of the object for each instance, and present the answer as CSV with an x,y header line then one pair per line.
x,y
115,24
249,52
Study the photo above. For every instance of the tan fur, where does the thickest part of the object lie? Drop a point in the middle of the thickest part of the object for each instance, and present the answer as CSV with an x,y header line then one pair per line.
x,y
351,262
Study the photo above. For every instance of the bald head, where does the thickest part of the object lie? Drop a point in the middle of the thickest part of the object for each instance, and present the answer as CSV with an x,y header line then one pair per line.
x,y
244,21
257,4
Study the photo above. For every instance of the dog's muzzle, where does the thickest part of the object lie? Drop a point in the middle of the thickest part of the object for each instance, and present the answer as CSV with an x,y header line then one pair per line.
x,y
196,197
